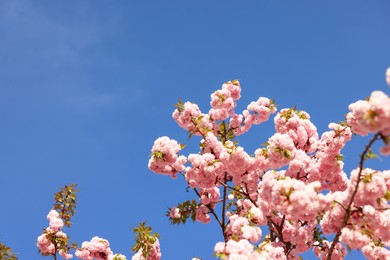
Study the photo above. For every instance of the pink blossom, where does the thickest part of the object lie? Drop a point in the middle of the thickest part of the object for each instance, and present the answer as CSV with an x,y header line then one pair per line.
x,y
65,255
98,248
370,116
184,117
209,196
271,251
298,126
165,159
354,238
206,169
372,186
223,101
373,252
256,113
202,214
338,254
56,222
175,213
45,242
385,150
117,257
45,245
296,199
388,76
237,164
236,250
154,254
281,150
330,222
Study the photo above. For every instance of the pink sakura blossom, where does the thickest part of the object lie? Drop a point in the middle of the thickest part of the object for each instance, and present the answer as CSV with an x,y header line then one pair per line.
x,y
370,116
65,255
298,126
354,238
154,254
330,222
322,251
327,165
44,243
299,235
175,213
377,222
223,101
373,252
165,159
213,145
98,248
271,251
46,246
280,150
301,166
371,188
202,214
184,117
241,228
254,214
117,257
55,221
292,200
385,150
189,117
290,196
269,180
237,163
209,196
388,76
256,113
206,169
258,216
236,250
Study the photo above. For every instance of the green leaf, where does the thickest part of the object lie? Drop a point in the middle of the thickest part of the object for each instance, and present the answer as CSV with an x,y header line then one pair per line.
x,y
370,155
144,239
179,105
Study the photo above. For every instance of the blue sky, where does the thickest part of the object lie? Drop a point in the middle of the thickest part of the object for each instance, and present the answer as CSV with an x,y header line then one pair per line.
x,y
87,86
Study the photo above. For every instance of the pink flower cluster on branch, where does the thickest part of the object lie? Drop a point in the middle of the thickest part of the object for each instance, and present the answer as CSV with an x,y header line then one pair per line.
x,y
99,249
155,253
295,184
53,239
372,116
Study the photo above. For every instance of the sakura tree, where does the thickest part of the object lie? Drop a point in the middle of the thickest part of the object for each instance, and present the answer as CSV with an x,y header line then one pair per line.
x,y
293,187
288,197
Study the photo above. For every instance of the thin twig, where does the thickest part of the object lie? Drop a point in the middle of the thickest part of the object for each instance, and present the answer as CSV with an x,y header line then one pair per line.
x,y
348,209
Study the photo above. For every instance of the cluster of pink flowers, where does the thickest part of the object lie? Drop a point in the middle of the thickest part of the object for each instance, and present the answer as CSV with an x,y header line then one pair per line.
x,y
45,244
295,184
165,159
239,227
175,213
327,165
371,116
338,254
154,254
256,113
223,101
298,126
99,249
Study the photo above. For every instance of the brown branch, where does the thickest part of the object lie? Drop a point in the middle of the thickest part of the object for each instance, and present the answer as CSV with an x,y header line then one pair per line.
x,y
348,209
